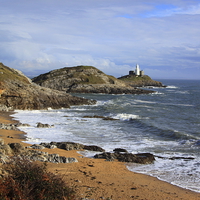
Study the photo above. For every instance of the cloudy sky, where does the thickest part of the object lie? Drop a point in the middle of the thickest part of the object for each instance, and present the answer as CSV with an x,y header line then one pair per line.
x,y
162,36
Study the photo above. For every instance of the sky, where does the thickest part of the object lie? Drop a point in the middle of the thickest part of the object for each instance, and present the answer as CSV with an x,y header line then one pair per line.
x,y
162,36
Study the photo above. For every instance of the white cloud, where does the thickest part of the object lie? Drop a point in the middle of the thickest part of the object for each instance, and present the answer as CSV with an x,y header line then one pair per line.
x,y
111,35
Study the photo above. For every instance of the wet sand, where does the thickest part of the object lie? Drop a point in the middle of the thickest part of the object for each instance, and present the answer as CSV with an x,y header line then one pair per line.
x,y
100,179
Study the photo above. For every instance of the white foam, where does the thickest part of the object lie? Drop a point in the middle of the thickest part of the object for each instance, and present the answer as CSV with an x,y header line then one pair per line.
x,y
125,117
142,101
183,173
172,86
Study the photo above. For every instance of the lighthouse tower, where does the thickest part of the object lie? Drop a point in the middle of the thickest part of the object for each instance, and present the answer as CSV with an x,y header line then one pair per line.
x,y
137,70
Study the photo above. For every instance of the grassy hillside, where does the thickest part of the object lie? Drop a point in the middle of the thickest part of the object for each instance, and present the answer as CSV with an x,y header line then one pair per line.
x,y
80,74
136,78
8,74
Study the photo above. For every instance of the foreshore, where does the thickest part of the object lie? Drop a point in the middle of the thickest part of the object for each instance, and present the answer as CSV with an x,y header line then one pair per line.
x,y
100,179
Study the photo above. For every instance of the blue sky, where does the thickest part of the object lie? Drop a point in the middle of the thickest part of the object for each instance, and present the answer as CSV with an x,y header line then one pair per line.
x,y
162,36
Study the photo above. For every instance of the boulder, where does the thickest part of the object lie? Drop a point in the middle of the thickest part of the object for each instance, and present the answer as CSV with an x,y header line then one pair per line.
x,y
142,158
40,125
68,145
73,146
45,157
5,149
120,150
9,126
37,146
16,147
93,148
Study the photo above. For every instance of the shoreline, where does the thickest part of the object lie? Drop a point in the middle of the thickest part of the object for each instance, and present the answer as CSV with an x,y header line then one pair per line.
x,y
98,179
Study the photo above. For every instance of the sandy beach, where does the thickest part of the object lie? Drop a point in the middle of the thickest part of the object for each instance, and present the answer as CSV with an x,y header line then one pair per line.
x,y
99,179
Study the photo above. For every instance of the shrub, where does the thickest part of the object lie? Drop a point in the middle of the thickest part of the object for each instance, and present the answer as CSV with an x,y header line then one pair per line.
x,y
28,180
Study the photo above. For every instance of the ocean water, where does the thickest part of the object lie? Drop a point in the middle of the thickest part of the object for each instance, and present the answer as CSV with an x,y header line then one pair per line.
x,y
166,123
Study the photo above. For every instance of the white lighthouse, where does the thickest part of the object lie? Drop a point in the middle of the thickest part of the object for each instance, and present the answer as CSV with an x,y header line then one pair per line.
x,y
137,70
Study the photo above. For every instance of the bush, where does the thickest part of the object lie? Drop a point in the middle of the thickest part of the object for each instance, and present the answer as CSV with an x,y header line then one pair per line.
x,y
27,180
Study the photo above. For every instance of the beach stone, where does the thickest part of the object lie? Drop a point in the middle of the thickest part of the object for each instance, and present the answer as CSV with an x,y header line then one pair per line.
x,y
73,146
142,158
93,148
5,149
68,145
48,145
36,155
1,141
37,146
23,125
8,126
40,125
3,158
120,150
16,147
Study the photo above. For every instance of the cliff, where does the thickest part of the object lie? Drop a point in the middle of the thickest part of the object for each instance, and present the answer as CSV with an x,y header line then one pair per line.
x,y
140,81
85,79
18,92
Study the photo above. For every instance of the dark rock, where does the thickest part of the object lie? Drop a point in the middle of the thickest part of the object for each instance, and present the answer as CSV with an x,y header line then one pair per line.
x,y
40,125
101,117
17,147
9,126
68,145
179,158
36,146
119,150
72,146
23,125
143,158
107,156
93,148
48,145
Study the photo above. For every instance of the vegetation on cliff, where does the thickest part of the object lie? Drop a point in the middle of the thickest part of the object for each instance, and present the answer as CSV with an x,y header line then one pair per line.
x,y
18,92
140,81
85,79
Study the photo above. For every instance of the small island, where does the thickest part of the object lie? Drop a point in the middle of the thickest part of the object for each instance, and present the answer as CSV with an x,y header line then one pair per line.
x,y
137,78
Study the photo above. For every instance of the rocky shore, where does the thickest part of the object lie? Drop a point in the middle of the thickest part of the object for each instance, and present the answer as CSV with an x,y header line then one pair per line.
x,y
85,79
18,92
93,178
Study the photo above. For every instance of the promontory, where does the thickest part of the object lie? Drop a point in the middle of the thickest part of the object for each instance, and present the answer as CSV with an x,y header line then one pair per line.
x,y
18,92
85,79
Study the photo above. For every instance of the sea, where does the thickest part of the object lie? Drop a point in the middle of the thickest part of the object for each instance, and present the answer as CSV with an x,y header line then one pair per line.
x,y
165,123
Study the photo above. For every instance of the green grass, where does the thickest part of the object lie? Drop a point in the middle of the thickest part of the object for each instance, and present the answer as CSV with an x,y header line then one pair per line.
x,y
8,74
136,78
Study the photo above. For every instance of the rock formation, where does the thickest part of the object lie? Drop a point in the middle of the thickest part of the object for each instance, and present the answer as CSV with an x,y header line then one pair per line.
x,y
85,79
140,81
18,92
16,149
142,158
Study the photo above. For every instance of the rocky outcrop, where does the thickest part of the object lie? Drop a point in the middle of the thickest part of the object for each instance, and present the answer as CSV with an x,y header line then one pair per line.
x,y
16,149
72,146
140,81
142,158
85,79
18,92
